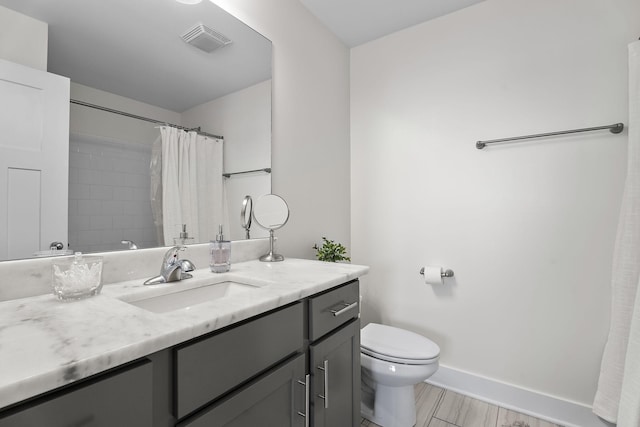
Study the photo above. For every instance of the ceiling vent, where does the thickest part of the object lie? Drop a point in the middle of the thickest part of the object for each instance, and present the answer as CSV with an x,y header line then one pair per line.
x,y
204,38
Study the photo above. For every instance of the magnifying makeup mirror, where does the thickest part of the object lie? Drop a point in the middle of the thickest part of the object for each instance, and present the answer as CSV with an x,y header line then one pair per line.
x,y
245,215
271,213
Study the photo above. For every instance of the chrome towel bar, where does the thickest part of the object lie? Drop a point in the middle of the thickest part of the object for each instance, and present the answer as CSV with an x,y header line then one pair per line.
x,y
615,128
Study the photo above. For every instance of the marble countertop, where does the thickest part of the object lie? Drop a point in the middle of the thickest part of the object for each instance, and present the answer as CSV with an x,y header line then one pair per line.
x,y
46,343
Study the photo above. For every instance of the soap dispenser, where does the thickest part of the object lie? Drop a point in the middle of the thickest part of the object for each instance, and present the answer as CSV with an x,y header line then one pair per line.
x,y
220,251
184,238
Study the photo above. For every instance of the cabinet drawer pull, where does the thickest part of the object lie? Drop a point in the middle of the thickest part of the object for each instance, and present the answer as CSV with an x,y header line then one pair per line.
x,y
347,307
306,400
325,368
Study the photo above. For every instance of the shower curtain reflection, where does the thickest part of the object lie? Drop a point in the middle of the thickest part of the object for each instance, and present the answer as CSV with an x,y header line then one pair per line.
x,y
187,185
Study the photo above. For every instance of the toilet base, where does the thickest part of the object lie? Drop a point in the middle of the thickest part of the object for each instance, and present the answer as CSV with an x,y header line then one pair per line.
x,y
393,407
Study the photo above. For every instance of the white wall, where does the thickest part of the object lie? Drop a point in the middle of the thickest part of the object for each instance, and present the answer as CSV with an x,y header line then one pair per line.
x,y
310,145
528,228
244,119
23,39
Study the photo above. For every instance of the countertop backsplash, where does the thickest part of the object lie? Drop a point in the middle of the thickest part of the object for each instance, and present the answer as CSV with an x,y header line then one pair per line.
x,y
32,277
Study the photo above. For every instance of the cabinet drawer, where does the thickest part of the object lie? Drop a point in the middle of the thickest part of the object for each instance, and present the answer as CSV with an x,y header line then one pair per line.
x,y
214,365
331,309
121,398
276,399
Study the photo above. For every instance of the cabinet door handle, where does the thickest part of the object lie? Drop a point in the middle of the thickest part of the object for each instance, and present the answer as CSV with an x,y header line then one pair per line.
x,y
306,400
325,396
347,307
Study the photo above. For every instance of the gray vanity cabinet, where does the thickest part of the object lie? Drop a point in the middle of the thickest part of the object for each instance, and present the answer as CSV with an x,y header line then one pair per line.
x,y
122,397
334,357
295,366
322,390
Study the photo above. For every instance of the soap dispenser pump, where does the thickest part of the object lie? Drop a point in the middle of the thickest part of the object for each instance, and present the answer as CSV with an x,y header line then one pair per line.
x,y
220,251
184,238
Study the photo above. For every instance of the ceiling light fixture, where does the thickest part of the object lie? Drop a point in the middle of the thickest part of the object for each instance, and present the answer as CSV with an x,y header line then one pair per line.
x,y
189,1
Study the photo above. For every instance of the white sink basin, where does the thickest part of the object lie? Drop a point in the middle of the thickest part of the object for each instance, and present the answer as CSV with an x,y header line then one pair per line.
x,y
186,299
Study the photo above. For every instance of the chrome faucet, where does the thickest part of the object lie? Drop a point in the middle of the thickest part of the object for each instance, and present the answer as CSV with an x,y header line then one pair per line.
x,y
172,269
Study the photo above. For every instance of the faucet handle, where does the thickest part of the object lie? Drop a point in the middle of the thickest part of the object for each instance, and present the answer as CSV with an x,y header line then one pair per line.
x,y
171,257
173,251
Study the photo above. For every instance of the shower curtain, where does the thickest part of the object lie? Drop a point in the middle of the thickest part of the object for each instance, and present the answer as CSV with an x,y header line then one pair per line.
x,y
191,185
618,396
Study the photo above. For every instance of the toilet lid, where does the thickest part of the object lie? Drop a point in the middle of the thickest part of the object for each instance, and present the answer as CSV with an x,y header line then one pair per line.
x,y
395,344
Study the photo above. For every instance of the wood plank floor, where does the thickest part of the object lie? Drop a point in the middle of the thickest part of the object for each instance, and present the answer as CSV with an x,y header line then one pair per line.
x,y
437,407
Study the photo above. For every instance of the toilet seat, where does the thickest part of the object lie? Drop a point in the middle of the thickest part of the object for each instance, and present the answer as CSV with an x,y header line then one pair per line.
x,y
402,361
397,345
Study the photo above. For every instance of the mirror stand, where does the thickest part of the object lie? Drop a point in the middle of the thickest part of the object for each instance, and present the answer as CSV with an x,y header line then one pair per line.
x,y
271,213
271,257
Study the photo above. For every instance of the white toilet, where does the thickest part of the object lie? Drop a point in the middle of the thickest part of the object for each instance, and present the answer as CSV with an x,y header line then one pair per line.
x,y
393,361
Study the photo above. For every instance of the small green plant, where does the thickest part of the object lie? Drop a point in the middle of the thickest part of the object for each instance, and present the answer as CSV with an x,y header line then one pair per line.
x,y
331,251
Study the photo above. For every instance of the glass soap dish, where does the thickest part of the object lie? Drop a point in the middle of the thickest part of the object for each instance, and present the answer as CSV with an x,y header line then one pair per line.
x,y
76,277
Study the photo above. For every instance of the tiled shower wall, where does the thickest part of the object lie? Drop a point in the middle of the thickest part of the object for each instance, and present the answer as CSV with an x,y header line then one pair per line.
x,y
109,194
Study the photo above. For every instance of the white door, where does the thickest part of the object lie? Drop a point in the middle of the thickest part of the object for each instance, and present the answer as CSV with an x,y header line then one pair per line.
x,y
34,160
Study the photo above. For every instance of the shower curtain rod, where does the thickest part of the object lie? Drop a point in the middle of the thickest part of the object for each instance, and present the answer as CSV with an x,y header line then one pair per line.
x,y
614,128
146,119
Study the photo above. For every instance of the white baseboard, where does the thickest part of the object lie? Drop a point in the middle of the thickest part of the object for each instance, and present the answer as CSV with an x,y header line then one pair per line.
x,y
538,405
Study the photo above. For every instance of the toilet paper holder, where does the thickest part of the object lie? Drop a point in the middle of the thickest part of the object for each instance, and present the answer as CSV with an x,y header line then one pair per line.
x,y
446,273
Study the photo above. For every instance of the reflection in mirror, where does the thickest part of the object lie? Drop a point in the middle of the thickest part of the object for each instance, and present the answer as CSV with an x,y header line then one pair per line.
x,y
149,72
271,212
245,215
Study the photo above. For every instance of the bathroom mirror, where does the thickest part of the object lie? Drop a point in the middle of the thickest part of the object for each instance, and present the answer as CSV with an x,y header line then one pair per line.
x,y
271,212
130,56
